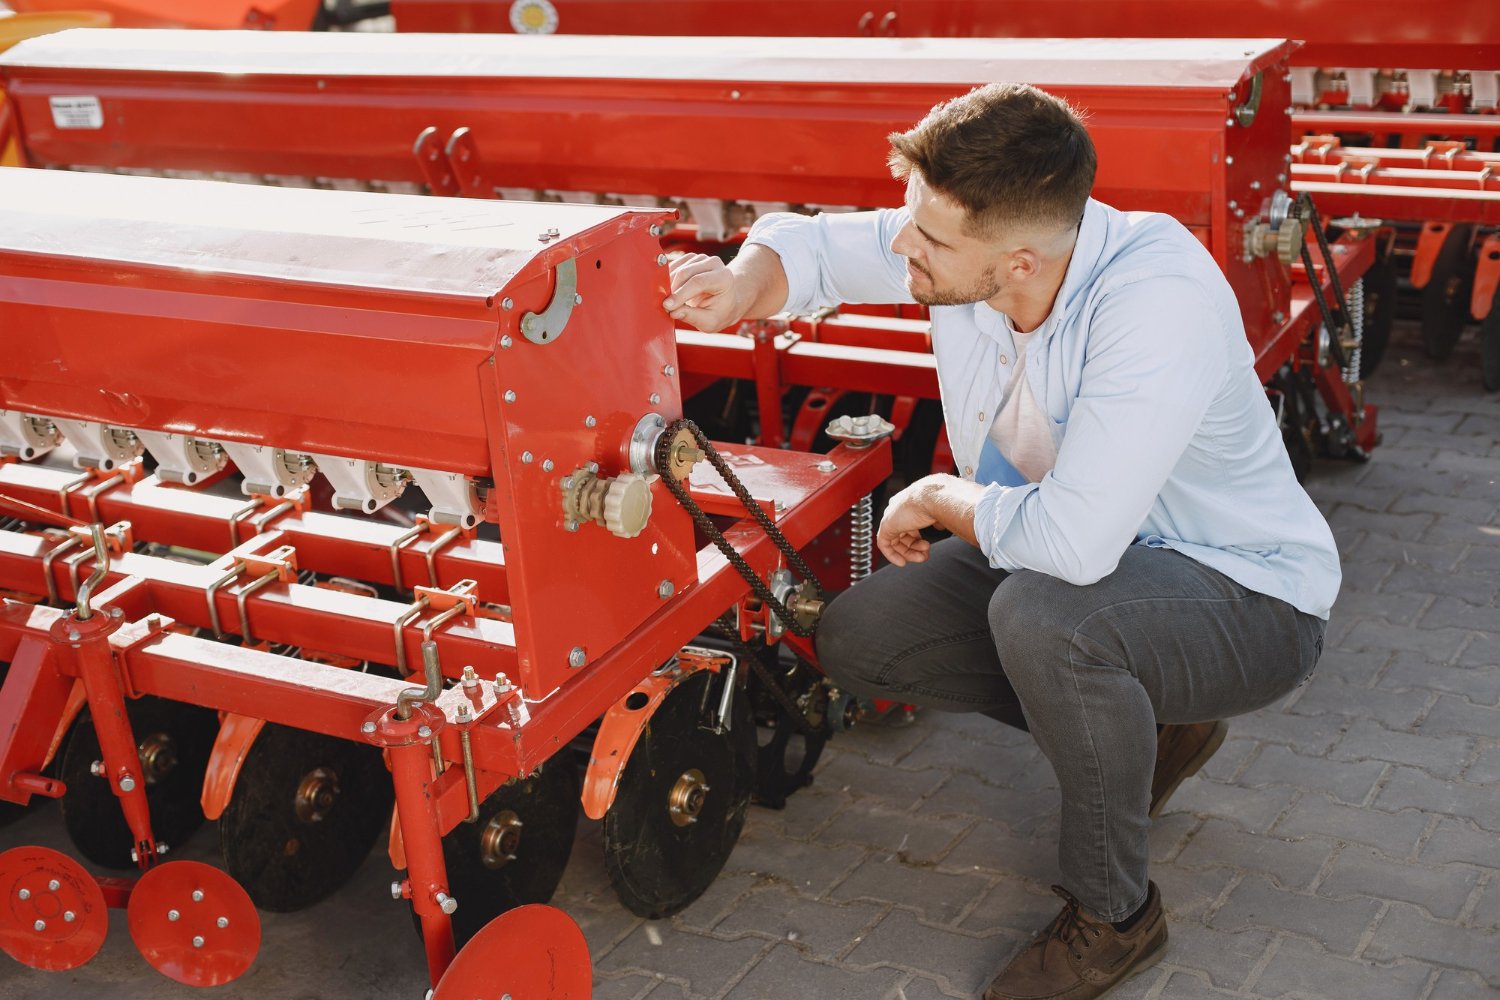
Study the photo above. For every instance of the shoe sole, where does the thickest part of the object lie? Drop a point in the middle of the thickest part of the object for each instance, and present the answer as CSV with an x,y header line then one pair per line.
x,y
1194,765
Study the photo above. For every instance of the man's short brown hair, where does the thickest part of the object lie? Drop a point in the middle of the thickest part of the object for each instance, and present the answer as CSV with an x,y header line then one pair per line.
x,y
1009,154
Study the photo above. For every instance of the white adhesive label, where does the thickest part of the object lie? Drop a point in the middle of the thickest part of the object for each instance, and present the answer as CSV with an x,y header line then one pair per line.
x,y
77,112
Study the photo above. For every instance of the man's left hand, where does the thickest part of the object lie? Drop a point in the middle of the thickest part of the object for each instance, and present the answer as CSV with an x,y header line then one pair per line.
x,y
945,502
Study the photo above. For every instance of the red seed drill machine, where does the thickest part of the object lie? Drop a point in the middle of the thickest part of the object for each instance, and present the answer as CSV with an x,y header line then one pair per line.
x,y
266,618
509,361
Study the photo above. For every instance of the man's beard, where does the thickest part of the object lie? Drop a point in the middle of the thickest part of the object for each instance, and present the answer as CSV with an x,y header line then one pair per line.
x,y
986,287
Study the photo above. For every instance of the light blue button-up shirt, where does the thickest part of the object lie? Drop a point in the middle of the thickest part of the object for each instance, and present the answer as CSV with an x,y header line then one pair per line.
x,y
1164,434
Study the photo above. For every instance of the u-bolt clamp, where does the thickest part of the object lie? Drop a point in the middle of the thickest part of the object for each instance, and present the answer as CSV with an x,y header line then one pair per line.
x,y
83,612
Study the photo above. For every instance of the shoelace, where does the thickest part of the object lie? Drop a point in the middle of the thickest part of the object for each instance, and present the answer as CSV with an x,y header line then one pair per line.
x,y
1069,926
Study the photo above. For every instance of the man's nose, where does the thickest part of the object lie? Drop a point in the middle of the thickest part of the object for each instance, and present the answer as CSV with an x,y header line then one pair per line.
x,y
902,243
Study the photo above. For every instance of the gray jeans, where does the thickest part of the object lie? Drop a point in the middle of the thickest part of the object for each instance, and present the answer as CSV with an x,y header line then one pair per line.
x,y
1089,671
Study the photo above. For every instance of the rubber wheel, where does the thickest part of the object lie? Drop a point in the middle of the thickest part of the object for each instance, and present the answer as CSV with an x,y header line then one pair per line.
x,y
306,810
1445,300
660,859
541,811
1489,348
174,740
1380,314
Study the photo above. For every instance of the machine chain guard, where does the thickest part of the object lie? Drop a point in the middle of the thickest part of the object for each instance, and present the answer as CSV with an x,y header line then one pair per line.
x,y
658,860
533,952
73,917
193,923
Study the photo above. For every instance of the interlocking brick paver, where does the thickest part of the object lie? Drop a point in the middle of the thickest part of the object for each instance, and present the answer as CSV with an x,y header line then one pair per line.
x,y
1453,985
938,896
855,775
1441,644
1227,956
1349,781
1021,768
1318,816
911,838
1451,714
1293,863
1360,871
1410,787
1451,612
964,962
1461,841
811,869
1311,736
1340,702
994,847
820,929
706,964
1302,969
1251,808
1444,756
1408,671
784,972
1259,902
1406,931
1015,907
966,795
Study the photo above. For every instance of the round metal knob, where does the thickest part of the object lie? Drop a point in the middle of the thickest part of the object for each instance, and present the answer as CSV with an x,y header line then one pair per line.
x,y
627,506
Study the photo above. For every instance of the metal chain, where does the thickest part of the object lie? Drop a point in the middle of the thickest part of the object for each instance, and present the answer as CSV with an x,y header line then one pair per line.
x,y
1335,327
787,703
680,491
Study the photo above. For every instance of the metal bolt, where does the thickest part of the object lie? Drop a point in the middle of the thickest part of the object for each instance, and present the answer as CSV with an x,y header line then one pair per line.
x,y
127,784
1290,111
445,902
1278,316
367,726
222,922
197,941
1281,178
592,467
577,657
1239,213
526,458
505,342
40,925
69,916
510,395
507,303
463,712
424,731
1255,185
655,398
162,848
1229,122
654,230
54,885
1233,204
97,769
74,635
661,259
590,422
577,299
116,613
173,916
668,370
503,686
197,895
547,465
153,622
826,465
1228,160
666,589
470,678
734,95
395,890
24,894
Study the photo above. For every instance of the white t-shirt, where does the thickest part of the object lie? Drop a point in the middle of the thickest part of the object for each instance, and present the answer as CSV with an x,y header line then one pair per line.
x,y
1022,430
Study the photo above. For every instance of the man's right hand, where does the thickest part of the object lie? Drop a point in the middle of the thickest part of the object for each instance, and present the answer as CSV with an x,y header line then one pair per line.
x,y
703,293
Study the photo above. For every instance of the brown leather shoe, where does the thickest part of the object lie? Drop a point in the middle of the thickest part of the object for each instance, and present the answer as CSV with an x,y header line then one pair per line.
x,y
1181,752
1078,957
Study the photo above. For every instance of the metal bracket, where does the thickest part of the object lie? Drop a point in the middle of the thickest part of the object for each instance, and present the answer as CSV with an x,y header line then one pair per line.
x,y
436,171
547,326
1245,113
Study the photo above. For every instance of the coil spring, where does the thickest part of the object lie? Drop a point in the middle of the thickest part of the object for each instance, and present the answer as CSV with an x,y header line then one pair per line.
x,y
861,539
1356,302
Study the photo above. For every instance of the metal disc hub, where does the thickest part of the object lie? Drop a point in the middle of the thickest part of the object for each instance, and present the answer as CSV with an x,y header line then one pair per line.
x,y
52,912
193,923
685,801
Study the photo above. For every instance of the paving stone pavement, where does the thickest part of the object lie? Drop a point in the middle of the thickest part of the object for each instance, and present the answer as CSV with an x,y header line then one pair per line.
x,y
1344,843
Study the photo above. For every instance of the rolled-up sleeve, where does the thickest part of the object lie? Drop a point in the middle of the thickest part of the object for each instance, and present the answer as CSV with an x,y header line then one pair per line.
x,y
1157,355
832,259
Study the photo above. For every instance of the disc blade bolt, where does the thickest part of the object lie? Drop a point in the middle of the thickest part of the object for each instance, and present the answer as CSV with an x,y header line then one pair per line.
x,y
40,925
173,916
69,916
24,894
54,885
222,922
197,895
197,941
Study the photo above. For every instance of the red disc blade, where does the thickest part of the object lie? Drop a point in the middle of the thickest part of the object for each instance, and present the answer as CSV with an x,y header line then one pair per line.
x,y
533,952
52,912
194,923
